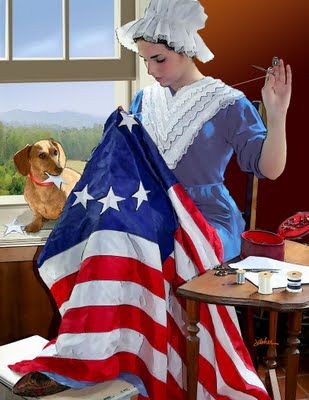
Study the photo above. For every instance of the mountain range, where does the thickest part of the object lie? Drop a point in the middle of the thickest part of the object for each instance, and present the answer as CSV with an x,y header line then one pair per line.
x,y
61,119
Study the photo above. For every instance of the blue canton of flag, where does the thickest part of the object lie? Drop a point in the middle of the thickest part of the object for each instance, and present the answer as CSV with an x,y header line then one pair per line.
x,y
115,189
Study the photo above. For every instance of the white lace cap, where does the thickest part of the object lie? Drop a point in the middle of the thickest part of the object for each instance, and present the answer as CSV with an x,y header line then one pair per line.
x,y
175,21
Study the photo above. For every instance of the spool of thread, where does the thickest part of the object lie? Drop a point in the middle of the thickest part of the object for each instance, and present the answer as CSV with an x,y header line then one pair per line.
x,y
265,282
294,282
240,276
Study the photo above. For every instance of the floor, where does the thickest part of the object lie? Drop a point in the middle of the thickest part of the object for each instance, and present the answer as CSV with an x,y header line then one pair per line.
x,y
302,392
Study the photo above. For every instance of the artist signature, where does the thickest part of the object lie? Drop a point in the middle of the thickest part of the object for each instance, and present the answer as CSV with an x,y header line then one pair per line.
x,y
265,341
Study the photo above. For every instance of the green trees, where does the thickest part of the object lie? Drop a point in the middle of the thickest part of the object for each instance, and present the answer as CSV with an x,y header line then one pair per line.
x,y
77,144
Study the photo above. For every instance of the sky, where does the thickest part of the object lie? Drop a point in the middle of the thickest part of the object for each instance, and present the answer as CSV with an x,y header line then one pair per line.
x,y
37,32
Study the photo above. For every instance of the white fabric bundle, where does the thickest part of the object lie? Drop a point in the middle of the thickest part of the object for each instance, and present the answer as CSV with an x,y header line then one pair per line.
x,y
175,21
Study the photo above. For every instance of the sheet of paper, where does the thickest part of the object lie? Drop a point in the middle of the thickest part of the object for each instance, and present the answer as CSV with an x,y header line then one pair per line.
x,y
279,279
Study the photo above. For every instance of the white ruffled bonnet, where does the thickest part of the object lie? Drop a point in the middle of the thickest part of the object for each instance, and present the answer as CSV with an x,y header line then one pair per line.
x,y
175,21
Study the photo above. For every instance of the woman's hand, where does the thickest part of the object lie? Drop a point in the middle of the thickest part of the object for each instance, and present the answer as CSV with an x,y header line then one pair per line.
x,y
276,95
276,92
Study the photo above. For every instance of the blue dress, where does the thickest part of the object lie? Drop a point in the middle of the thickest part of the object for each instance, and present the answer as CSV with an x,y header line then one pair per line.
x,y
236,128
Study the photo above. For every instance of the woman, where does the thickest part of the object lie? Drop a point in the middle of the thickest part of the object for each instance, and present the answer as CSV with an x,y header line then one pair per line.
x,y
197,122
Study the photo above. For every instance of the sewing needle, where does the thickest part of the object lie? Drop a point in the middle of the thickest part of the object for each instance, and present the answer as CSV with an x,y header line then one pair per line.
x,y
268,70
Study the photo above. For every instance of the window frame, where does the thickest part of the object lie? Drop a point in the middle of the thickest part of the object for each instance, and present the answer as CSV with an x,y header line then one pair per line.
x,y
118,68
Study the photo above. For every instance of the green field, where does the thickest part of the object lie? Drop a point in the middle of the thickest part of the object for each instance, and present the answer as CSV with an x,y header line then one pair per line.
x,y
76,165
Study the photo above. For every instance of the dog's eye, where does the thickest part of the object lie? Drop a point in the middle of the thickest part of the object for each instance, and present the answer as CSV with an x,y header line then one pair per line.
x,y
55,152
42,155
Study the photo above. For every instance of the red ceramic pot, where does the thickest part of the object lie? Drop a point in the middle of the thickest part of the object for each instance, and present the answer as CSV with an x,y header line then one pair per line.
x,y
262,244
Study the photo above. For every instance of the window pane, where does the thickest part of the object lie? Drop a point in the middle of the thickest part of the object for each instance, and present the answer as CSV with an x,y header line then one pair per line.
x,y
71,113
2,28
92,28
37,29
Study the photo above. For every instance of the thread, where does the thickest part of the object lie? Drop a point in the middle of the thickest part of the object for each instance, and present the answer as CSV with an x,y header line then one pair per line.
x,y
265,282
240,276
294,282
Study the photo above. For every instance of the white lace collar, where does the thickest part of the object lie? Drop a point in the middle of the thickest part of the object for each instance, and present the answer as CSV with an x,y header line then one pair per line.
x,y
173,121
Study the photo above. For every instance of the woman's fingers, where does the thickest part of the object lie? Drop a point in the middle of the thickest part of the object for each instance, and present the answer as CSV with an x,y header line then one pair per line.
x,y
288,75
281,71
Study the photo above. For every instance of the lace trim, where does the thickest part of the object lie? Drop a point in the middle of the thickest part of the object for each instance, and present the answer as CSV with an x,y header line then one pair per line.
x,y
173,122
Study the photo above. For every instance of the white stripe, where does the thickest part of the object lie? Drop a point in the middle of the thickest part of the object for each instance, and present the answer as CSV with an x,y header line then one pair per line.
x,y
207,351
225,341
186,269
232,313
104,242
176,312
176,367
225,390
101,346
61,265
202,393
124,244
203,247
206,345
114,293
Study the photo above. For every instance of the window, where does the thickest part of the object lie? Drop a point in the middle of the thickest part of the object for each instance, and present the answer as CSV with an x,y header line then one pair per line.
x,y
59,58
57,40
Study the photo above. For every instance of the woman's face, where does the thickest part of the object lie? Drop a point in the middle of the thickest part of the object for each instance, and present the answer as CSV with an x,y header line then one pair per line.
x,y
166,66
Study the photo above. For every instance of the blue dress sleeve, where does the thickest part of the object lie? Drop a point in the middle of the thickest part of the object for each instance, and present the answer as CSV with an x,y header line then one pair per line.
x,y
246,133
136,105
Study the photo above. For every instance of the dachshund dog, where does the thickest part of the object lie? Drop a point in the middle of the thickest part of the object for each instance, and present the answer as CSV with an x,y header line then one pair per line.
x,y
45,199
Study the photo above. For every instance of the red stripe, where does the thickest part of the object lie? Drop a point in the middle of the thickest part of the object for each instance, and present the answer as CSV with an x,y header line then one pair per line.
x,y
121,269
169,270
207,378
97,371
207,230
62,289
228,370
174,392
189,248
176,339
107,318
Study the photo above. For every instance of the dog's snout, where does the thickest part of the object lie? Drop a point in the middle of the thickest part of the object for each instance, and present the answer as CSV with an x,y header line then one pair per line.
x,y
58,170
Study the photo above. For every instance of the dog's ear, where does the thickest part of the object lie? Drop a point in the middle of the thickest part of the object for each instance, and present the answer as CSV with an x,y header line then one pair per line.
x,y
62,157
21,160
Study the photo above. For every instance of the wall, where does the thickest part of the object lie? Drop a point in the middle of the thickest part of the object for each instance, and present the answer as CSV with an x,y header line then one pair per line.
x,y
241,33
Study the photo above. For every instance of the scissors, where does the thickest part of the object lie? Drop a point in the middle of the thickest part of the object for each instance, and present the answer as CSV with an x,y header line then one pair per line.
x,y
222,270
275,62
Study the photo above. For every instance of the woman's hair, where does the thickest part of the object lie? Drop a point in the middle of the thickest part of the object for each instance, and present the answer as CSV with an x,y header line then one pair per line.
x,y
159,41
163,41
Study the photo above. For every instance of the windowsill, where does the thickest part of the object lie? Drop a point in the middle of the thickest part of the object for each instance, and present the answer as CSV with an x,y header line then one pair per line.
x,y
16,208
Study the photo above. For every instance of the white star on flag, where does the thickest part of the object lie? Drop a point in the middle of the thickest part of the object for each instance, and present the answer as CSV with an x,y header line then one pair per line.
x,y
82,197
127,120
110,201
56,179
13,227
141,195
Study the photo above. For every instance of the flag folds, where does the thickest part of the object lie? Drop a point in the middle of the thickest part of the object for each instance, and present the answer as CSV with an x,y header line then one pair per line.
x,y
128,236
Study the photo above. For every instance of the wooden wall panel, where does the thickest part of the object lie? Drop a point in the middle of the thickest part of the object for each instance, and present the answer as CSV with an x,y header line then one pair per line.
x,y
25,305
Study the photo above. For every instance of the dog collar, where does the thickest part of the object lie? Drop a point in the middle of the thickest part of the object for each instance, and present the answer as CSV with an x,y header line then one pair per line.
x,y
41,183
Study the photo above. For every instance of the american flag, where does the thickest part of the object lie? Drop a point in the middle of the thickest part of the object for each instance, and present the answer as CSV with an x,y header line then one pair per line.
x,y
129,235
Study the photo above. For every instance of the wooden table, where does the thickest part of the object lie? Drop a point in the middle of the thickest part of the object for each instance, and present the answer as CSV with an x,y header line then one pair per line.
x,y
212,289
